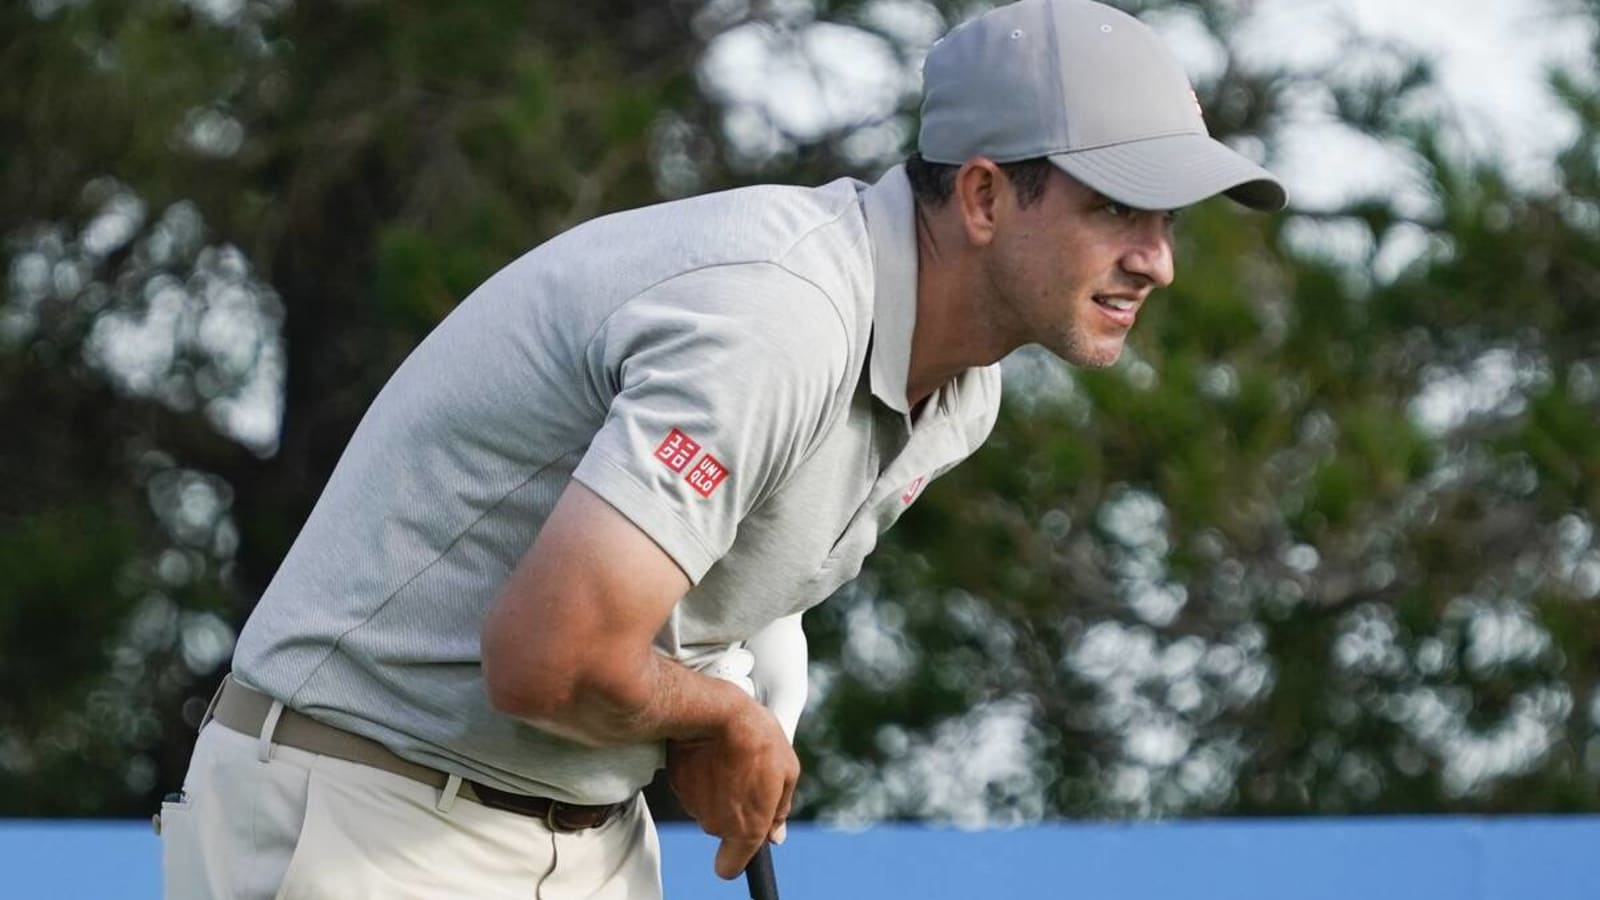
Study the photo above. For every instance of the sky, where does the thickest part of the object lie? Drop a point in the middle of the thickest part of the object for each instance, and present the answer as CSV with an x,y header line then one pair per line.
x,y
1491,58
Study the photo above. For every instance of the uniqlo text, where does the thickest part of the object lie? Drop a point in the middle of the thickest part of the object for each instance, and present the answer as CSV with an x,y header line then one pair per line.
x,y
706,475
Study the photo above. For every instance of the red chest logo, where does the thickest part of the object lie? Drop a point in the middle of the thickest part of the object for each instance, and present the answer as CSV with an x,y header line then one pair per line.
x,y
912,489
677,450
706,475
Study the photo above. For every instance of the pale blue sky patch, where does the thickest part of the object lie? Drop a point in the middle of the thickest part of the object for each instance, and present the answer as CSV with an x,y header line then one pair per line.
x,y
1490,58
804,83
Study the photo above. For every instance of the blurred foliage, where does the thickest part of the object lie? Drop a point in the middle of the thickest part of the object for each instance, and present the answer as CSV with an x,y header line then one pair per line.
x,y
1323,542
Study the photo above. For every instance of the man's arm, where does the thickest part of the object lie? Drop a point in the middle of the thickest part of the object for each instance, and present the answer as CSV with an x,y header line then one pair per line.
x,y
567,646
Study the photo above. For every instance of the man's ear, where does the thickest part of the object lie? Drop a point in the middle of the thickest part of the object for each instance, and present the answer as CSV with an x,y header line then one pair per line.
x,y
980,184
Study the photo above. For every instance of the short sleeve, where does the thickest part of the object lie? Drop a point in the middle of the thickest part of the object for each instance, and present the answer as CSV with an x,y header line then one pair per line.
x,y
721,382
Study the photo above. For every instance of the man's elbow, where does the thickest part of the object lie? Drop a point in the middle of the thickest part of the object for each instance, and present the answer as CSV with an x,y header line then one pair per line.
x,y
521,678
547,703
518,689
564,698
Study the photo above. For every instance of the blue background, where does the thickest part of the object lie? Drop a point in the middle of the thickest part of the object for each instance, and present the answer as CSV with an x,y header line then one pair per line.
x,y
1323,859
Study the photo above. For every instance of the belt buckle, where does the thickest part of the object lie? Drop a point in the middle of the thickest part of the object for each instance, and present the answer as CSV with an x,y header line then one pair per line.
x,y
554,822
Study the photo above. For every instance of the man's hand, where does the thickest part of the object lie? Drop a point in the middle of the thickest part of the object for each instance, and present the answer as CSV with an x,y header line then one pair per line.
x,y
738,783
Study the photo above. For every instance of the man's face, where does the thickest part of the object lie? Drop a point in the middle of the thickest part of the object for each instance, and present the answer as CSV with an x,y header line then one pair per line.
x,y
1072,270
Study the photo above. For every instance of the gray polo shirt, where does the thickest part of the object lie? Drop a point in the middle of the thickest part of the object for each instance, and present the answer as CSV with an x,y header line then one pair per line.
x,y
728,371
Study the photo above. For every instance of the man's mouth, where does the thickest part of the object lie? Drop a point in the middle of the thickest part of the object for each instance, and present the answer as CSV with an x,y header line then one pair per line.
x,y
1122,310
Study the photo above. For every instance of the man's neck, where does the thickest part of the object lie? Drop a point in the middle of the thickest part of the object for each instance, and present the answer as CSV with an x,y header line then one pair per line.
x,y
955,330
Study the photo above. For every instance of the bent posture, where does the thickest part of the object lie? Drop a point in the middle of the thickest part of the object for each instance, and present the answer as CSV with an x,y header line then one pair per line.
x,y
636,455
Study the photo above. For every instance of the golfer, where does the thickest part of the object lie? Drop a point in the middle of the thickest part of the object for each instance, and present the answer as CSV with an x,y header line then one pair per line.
x,y
571,540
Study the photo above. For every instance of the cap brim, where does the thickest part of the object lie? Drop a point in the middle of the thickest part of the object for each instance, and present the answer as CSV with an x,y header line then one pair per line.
x,y
1173,172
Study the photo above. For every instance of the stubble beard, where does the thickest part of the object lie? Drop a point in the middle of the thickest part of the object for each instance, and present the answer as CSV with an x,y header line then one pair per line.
x,y
1073,344
1079,353
1018,314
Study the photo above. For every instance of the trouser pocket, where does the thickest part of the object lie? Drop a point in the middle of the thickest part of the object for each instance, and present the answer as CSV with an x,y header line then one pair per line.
x,y
182,876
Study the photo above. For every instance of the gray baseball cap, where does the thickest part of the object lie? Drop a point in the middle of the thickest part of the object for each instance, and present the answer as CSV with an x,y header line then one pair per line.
x,y
1093,89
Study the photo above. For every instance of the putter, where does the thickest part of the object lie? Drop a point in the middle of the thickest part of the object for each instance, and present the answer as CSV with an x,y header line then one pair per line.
x,y
763,879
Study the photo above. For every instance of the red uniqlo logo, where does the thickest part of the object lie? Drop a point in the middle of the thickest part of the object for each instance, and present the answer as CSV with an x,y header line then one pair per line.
x,y
677,450
706,475
911,491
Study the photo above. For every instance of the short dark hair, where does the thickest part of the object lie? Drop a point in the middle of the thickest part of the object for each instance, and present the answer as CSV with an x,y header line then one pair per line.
x,y
932,183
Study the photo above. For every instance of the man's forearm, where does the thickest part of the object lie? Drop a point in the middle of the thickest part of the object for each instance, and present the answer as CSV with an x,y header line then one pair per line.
x,y
661,700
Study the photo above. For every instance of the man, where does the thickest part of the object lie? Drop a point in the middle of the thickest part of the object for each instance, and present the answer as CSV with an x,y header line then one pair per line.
x,y
651,442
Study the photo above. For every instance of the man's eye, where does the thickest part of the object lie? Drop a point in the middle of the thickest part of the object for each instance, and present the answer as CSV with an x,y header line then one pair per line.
x,y
1124,211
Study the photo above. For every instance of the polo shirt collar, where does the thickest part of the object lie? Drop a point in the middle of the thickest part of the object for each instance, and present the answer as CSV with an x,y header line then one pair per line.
x,y
891,228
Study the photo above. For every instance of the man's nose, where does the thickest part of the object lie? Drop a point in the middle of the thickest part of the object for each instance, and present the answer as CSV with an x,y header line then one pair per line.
x,y
1151,256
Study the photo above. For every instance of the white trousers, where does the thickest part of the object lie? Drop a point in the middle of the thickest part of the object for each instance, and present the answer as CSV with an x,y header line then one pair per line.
x,y
259,820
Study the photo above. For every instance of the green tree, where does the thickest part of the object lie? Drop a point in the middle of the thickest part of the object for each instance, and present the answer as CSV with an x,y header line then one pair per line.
x,y
226,224
1323,543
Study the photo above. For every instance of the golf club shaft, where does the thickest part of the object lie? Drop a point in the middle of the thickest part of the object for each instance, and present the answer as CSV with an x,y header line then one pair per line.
x,y
763,879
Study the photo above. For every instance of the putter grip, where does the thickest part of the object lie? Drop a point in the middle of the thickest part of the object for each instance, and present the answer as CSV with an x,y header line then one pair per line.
x,y
761,876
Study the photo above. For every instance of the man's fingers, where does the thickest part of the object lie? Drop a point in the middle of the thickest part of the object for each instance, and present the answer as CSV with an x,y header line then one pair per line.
x,y
780,817
733,856
786,800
